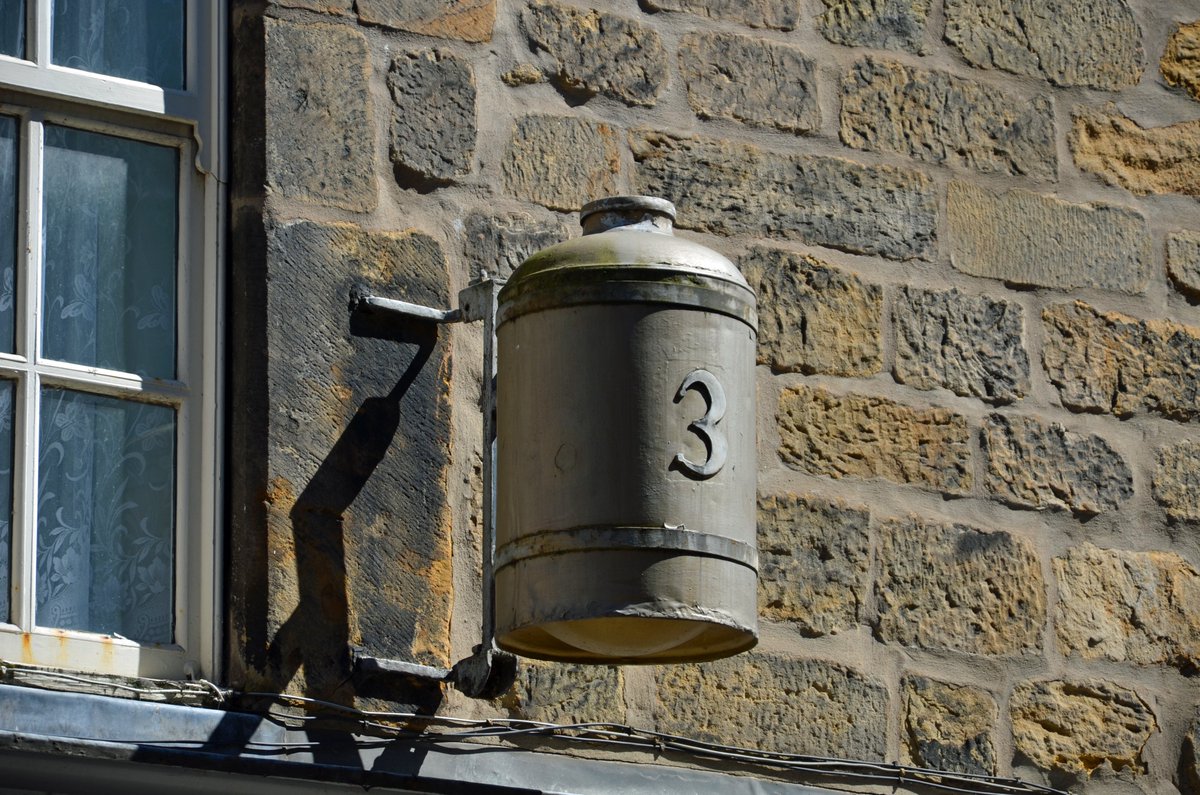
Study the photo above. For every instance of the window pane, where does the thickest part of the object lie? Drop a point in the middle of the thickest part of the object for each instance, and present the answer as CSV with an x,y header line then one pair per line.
x,y
136,39
6,483
109,226
12,28
8,227
106,516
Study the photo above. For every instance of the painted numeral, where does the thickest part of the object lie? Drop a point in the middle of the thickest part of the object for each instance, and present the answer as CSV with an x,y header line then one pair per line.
x,y
706,428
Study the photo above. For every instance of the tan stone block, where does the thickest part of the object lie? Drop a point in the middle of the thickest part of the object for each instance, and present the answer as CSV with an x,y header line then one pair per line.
x,y
1177,481
433,117
777,14
1111,362
1027,238
1183,262
592,53
938,117
319,122
1141,160
814,318
948,727
813,561
1180,63
881,24
1081,727
1093,43
750,80
561,162
1138,607
959,588
1034,464
467,20
565,693
776,703
971,345
733,188
864,436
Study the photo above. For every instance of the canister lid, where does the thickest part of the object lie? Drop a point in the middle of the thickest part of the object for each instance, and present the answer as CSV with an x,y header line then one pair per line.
x,y
628,252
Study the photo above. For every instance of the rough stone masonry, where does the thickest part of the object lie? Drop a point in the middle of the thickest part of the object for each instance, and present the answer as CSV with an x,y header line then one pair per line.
x,y
974,233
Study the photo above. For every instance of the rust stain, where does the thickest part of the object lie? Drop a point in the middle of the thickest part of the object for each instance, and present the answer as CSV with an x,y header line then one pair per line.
x,y
106,652
63,658
26,648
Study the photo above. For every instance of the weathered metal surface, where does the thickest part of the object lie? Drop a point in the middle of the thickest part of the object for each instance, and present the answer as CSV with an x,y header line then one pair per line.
x,y
626,433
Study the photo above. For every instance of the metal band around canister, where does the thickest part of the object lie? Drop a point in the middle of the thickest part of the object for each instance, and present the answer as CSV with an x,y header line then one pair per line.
x,y
622,284
585,539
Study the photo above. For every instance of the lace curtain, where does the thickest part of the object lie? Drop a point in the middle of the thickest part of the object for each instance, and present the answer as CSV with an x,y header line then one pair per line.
x,y
12,28
135,39
8,255
106,474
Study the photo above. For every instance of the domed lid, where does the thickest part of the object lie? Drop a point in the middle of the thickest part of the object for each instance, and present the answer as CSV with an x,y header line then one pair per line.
x,y
625,232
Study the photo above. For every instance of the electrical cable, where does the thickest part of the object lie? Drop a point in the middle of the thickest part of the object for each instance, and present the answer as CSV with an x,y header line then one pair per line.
x,y
456,729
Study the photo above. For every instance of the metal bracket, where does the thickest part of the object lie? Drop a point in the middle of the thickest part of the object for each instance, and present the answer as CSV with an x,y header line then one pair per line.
x,y
488,672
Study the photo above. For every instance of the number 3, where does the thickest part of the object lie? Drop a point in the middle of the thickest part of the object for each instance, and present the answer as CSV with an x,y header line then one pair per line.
x,y
706,384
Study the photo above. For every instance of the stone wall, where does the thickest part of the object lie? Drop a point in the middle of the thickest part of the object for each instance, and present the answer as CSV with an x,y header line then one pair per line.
x,y
974,230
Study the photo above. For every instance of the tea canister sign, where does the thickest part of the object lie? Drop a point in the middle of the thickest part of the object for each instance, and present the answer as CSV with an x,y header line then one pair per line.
x,y
625,528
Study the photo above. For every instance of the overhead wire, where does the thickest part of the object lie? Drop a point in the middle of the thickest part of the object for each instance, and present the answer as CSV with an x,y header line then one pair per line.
x,y
416,727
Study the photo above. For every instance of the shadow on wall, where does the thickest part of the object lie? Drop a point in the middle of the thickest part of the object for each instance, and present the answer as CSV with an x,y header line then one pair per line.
x,y
317,633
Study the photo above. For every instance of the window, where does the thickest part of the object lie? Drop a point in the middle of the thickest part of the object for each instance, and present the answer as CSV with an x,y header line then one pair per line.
x,y
110,208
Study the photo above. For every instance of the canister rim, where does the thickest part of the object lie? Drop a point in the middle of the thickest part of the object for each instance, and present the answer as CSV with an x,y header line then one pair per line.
x,y
652,204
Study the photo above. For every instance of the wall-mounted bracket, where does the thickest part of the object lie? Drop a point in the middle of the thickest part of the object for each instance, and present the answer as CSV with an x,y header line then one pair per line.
x,y
488,672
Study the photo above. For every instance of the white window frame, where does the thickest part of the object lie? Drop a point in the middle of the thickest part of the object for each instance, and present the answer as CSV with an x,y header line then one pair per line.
x,y
192,121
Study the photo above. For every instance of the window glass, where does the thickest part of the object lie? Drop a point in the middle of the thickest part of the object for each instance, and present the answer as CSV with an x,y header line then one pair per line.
x,y
110,225
135,39
106,518
8,228
6,487
12,28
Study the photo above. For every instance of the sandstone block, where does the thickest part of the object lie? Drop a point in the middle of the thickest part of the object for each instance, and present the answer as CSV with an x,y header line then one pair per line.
x,y
327,6
864,436
813,561
1109,362
881,24
1190,762
1081,727
940,118
563,693
958,588
1180,63
1032,464
968,344
356,558
433,118
325,112
1138,607
777,14
1183,262
467,20
1177,481
1094,43
732,188
1024,238
750,80
814,318
498,243
1141,160
948,727
592,53
776,703
561,162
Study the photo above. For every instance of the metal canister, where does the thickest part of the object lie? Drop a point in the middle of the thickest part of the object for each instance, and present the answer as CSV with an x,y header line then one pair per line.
x,y
625,528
